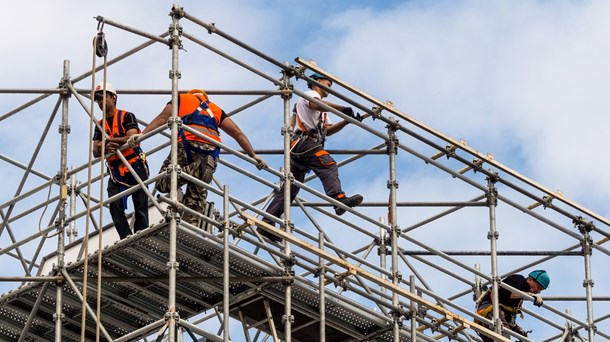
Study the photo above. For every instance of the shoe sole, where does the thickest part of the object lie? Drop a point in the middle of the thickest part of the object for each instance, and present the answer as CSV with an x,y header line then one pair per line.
x,y
268,235
351,202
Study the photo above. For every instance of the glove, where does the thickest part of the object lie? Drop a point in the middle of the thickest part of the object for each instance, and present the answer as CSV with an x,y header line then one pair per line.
x,y
260,162
348,111
537,299
132,140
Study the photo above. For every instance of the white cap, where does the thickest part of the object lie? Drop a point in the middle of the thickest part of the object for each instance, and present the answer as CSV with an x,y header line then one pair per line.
x,y
109,89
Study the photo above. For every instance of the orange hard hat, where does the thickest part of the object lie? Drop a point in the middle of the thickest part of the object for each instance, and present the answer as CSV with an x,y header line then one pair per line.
x,y
197,91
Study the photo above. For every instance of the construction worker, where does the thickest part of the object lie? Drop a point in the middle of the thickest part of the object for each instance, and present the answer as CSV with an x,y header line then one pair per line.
x,y
197,156
119,126
510,302
308,153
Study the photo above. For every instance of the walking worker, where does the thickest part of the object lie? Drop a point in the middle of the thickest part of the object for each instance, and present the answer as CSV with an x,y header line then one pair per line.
x,y
308,153
119,126
197,156
510,302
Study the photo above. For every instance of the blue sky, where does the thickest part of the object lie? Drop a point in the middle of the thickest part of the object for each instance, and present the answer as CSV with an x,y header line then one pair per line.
x,y
525,81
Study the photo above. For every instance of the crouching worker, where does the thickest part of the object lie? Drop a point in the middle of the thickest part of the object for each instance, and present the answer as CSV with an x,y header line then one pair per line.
x,y
196,156
119,126
510,303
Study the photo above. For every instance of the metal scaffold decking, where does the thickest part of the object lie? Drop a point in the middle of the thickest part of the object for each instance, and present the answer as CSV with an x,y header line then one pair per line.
x,y
396,268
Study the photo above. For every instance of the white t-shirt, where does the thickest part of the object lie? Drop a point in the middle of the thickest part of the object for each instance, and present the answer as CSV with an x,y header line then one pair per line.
x,y
308,116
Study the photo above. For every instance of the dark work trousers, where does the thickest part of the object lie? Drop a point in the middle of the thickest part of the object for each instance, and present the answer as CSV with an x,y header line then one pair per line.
x,y
308,154
140,203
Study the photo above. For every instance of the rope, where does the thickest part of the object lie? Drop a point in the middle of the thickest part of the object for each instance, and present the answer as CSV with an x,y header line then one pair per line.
x,y
99,247
99,47
46,235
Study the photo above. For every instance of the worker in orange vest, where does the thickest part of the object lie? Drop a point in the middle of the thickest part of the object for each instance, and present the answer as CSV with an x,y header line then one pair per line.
x,y
119,126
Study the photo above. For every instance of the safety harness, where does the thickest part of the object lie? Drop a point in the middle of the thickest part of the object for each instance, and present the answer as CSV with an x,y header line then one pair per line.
x,y
485,311
206,123
119,171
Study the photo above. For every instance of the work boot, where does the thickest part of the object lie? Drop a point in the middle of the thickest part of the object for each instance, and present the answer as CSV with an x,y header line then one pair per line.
x,y
348,201
268,235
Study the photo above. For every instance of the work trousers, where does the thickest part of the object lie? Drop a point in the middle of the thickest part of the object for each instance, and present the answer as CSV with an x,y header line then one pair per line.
x,y
140,204
201,166
505,317
308,155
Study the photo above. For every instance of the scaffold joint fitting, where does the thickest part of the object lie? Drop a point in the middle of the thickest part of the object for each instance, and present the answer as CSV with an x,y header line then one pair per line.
x,y
494,235
583,225
172,315
60,317
172,265
64,129
288,263
176,73
586,283
392,184
287,319
177,12
397,276
212,28
450,150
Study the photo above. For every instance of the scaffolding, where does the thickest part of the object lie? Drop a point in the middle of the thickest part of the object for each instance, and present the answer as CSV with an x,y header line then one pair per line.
x,y
358,277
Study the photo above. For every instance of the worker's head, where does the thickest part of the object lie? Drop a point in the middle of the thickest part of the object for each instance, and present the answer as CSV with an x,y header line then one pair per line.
x,y
538,280
199,93
317,77
111,95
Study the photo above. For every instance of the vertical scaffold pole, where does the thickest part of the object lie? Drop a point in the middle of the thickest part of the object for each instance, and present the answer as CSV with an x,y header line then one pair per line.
x,y
172,265
60,223
585,226
392,149
225,270
287,318
321,281
492,235
413,310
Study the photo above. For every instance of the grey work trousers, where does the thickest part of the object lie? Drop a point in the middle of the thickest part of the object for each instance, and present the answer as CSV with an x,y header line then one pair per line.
x,y
308,155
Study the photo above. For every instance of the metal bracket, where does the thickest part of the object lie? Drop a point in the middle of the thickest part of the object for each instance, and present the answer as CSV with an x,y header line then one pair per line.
x,y
583,225
172,213
178,12
287,318
63,88
172,265
392,184
177,73
212,28
169,168
64,128
177,120
397,276
175,315
586,283
61,317
377,112
494,235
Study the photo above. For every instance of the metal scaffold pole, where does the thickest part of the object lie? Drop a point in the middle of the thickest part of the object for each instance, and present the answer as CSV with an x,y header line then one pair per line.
x,y
60,223
172,314
288,263
492,202
584,226
392,149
